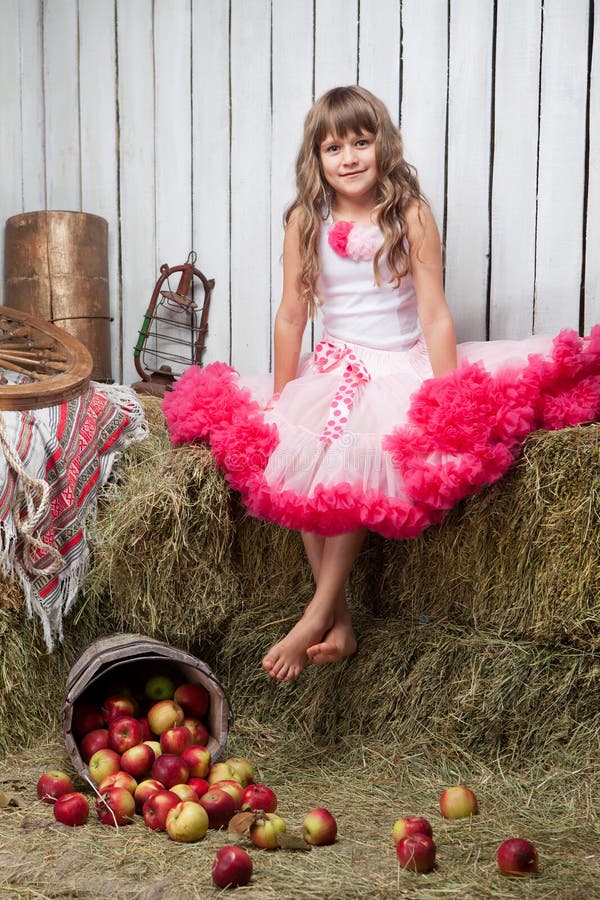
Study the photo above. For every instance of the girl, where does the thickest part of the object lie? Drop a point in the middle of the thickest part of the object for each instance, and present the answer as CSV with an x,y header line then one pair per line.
x,y
378,428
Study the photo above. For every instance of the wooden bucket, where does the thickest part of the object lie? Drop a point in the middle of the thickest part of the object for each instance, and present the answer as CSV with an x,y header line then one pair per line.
x,y
133,658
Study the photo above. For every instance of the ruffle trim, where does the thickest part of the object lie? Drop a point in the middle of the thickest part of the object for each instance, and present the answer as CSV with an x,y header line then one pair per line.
x,y
464,431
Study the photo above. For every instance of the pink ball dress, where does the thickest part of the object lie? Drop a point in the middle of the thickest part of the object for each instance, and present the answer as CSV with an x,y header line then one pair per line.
x,y
365,435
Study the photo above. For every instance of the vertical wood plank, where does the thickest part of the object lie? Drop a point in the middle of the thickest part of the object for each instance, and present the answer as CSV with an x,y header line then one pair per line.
x,y
139,270
98,114
423,111
292,98
592,262
210,164
61,92
469,165
336,44
33,172
250,188
515,169
379,51
561,165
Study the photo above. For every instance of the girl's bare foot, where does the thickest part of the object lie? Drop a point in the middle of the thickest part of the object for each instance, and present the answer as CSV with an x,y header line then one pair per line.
x,y
338,642
286,659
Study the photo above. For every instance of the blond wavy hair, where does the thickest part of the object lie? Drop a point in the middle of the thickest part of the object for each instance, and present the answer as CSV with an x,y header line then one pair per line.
x,y
342,111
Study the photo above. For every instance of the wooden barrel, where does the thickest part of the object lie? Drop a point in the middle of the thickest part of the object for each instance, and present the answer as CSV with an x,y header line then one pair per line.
x,y
56,267
128,661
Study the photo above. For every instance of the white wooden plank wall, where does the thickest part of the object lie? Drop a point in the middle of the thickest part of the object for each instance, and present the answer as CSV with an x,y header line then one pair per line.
x,y
179,121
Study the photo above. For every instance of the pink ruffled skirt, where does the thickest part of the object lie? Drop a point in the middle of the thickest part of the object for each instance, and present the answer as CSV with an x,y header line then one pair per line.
x,y
366,437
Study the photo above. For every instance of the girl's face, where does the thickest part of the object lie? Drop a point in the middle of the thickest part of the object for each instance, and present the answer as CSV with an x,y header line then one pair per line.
x,y
349,166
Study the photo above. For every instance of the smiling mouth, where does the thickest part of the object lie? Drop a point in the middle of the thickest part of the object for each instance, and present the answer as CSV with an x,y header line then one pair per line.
x,y
349,174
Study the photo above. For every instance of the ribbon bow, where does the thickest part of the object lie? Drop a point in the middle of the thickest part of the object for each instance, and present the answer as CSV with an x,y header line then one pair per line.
x,y
326,357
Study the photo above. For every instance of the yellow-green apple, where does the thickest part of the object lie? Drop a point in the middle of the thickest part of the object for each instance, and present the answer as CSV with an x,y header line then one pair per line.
x,y
516,856
170,769
458,802
86,717
71,809
115,806
219,772
200,785
187,822
232,867
197,759
265,830
146,733
116,706
231,787
259,797
144,790
119,779
53,784
175,740
104,762
198,730
92,741
164,714
123,733
407,825
242,770
185,792
156,809
138,760
416,853
219,806
155,746
193,698
159,687
319,827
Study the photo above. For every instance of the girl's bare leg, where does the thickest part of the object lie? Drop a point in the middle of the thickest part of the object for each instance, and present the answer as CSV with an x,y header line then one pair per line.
x,y
334,559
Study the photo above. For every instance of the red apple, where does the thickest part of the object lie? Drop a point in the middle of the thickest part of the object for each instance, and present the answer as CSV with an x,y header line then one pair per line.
x,y
116,706
144,790
319,827
265,830
170,769
124,733
156,809
155,746
175,740
159,687
86,717
71,809
185,792
457,802
138,760
219,772
198,730
517,856
233,788
119,779
197,759
52,785
193,699
242,770
232,867
115,806
219,806
92,741
416,853
200,785
146,733
407,825
104,762
187,822
259,796
164,714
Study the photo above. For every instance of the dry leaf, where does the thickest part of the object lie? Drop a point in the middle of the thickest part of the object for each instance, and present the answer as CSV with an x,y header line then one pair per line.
x,y
241,822
292,842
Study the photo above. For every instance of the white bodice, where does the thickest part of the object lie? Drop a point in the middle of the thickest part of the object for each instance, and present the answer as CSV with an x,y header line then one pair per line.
x,y
357,310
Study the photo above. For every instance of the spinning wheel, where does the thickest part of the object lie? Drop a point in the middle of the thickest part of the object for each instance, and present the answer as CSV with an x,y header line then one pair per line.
x,y
53,365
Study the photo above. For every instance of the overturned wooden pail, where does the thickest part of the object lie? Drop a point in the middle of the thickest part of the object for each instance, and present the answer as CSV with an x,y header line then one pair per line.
x,y
56,268
125,662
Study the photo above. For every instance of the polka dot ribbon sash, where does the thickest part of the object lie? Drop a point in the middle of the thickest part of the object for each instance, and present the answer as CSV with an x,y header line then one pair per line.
x,y
326,357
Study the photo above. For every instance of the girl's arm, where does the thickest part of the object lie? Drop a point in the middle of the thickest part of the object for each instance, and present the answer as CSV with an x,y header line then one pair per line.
x,y
426,267
292,313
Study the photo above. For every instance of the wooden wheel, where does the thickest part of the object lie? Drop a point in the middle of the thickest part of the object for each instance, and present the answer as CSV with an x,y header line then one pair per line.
x,y
56,365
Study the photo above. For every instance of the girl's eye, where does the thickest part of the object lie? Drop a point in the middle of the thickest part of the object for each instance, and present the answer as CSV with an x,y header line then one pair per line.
x,y
363,142
333,148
